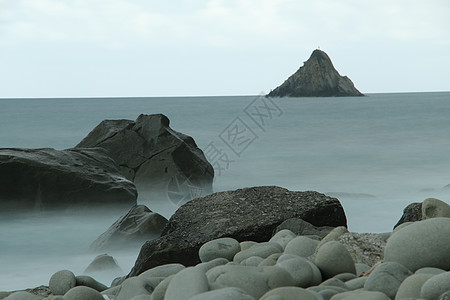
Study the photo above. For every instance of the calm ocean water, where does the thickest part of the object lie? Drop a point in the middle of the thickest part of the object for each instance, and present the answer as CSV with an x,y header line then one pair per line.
x,y
376,154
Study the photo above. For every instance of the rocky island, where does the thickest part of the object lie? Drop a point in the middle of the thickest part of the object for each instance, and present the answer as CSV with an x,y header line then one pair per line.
x,y
316,78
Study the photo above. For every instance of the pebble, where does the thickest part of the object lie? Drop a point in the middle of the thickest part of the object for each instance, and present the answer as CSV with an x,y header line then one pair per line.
x,y
223,294
300,270
411,286
83,292
360,295
142,297
219,248
387,278
291,293
187,283
162,271
434,208
161,288
429,270
301,246
88,281
436,286
333,258
247,244
421,244
283,237
23,296
61,282
133,286
255,281
262,250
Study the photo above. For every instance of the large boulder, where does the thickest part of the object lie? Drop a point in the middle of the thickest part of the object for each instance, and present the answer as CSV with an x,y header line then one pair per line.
x,y
47,179
138,225
164,164
244,214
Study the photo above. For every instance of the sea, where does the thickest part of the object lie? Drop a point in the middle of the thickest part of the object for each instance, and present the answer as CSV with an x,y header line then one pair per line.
x,y
376,154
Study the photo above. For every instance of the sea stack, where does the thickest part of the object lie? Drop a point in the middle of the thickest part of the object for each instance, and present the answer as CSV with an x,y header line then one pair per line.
x,y
316,78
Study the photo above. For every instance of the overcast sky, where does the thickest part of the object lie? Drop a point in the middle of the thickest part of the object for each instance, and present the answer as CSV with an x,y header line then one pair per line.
x,y
94,48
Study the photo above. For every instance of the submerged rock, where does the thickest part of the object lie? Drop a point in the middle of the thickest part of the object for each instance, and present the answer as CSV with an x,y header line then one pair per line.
x,y
138,225
317,78
49,179
163,163
244,214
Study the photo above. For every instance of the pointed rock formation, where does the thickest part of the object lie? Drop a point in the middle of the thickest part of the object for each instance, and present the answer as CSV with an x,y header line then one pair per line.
x,y
317,78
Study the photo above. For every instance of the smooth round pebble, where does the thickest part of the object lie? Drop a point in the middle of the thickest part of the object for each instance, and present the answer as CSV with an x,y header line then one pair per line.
x,y
333,258
223,294
262,250
142,297
187,283
88,281
360,295
435,208
255,281
247,244
83,292
301,246
435,286
300,270
161,288
387,278
271,260
23,296
283,237
162,271
133,286
411,286
291,293
361,268
61,282
429,270
422,244
219,248
252,261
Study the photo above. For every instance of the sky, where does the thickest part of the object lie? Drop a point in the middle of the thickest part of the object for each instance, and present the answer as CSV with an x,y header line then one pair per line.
x,y
145,48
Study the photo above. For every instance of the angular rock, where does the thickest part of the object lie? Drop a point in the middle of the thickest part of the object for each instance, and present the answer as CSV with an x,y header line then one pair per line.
x,y
244,214
223,294
411,213
387,278
317,78
138,225
421,244
435,208
219,248
255,281
103,263
163,163
83,292
61,282
333,258
301,227
49,179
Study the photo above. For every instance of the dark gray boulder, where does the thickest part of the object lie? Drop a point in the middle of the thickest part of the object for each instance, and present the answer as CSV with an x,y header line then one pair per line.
x,y
317,78
138,225
411,213
244,214
163,163
48,179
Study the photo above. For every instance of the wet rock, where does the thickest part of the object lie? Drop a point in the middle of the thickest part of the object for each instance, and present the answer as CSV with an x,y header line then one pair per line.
x,y
138,225
244,214
49,179
163,163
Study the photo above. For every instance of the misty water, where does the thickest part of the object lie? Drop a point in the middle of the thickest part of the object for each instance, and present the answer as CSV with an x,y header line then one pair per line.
x,y
376,154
